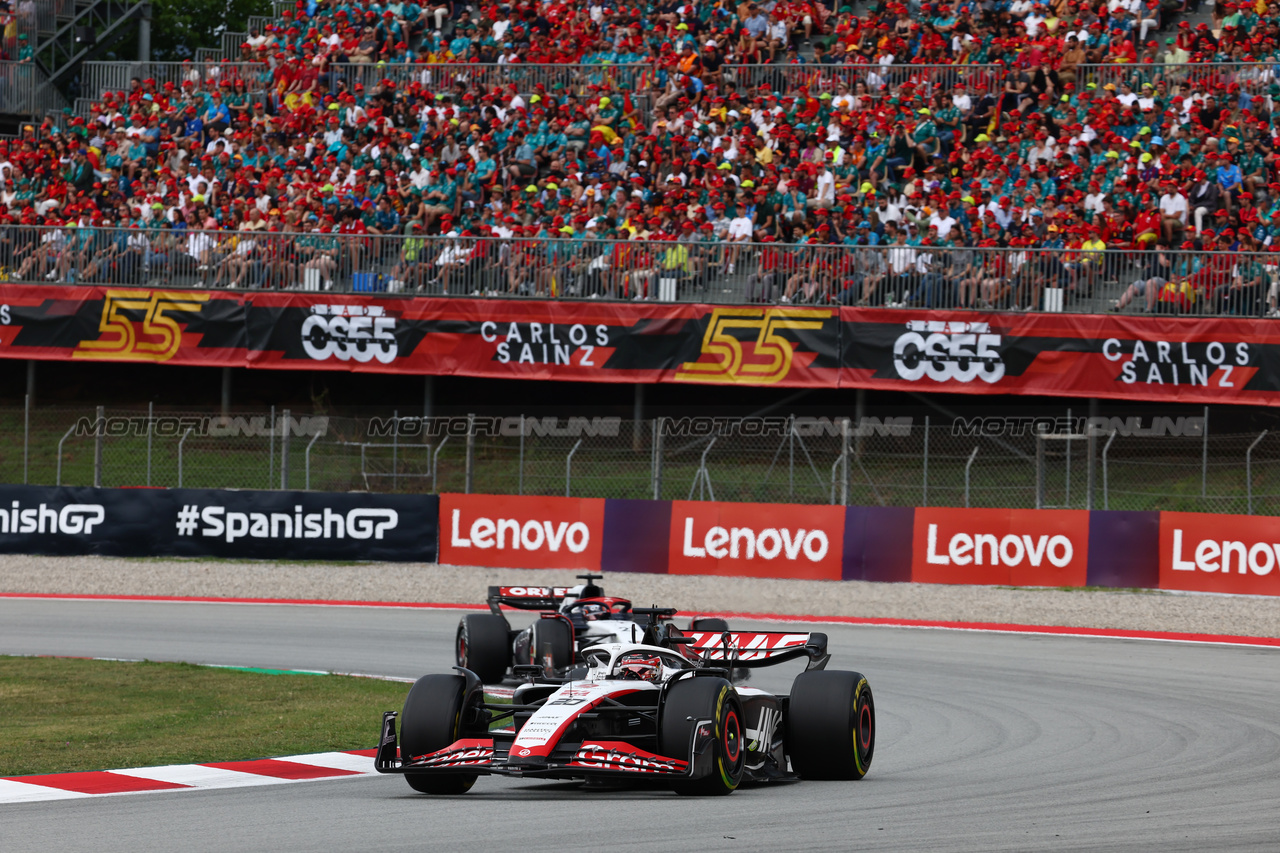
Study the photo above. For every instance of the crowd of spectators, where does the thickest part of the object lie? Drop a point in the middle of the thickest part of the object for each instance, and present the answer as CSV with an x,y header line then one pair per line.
x,y
977,145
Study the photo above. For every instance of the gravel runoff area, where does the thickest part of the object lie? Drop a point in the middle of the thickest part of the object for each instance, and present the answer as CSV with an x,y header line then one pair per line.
x,y
418,582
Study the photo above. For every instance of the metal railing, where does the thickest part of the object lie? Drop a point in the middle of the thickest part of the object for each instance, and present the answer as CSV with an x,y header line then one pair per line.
x,y
25,90
875,80
98,78
712,271
780,459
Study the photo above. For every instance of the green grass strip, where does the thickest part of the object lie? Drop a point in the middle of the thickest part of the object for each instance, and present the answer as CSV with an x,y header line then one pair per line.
x,y
59,715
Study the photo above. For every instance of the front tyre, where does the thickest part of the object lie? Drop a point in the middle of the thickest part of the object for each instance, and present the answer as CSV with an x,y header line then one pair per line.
x,y
831,725
437,712
689,701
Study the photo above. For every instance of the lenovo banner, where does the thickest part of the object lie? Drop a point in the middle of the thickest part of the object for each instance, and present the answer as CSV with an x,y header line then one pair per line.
x,y
210,523
529,532
756,540
1237,554
1187,359
1018,547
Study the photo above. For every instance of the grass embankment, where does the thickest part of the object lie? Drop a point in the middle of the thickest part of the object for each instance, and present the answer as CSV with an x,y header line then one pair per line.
x,y
61,715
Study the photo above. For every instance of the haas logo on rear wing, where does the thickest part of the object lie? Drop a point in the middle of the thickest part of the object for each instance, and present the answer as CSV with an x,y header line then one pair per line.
x,y
748,648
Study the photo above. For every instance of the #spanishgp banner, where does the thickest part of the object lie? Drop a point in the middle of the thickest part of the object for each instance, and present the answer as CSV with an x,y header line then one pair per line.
x,y
1173,359
212,523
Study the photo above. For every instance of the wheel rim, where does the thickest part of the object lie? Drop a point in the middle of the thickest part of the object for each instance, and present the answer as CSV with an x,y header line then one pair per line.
x,y
864,728
732,738
462,650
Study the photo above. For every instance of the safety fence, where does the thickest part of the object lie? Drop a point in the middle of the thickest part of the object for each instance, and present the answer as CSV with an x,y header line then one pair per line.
x,y
1128,463
705,270
26,90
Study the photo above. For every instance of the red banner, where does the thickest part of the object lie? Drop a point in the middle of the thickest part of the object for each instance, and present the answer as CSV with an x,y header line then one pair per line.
x,y
530,532
1017,547
1200,552
756,540
1209,360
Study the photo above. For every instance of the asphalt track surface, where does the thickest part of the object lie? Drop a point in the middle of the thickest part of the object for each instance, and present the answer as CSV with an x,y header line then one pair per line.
x,y
985,742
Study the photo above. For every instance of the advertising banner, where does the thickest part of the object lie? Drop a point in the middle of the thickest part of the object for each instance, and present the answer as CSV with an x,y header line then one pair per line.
x,y
525,532
1202,552
1174,359
756,540
213,523
1017,547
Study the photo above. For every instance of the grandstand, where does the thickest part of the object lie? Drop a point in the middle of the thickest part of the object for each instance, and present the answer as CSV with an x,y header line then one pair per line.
x,y
1118,155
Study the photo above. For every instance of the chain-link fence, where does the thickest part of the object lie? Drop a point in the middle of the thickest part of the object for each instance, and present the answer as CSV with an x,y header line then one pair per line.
x,y
1107,463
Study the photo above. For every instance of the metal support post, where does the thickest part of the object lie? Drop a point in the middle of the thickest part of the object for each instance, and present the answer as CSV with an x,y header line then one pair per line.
x,y
58,480
924,490
844,461
395,449
1106,482
226,391
1248,468
1066,496
702,477
568,460
271,453
284,450
435,463
967,466
307,457
471,452
637,415
1204,455
151,428
26,440
520,482
31,379
657,459
1040,470
181,442
97,447
791,457
1091,469
859,413
428,396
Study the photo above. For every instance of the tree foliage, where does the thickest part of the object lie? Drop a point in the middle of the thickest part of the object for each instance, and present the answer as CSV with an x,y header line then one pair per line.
x,y
180,27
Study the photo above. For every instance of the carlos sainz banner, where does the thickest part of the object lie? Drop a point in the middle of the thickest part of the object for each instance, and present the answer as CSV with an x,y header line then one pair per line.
x,y
1155,358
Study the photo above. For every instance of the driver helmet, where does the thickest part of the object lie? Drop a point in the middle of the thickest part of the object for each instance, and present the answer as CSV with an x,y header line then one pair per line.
x,y
593,611
640,666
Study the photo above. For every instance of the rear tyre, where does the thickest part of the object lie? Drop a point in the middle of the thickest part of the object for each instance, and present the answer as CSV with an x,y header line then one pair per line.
x,y
551,646
831,725
709,624
436,713
482,646
694,699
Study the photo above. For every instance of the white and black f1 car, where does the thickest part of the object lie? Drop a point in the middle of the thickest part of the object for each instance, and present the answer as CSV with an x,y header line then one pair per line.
x,y
664,712
574,619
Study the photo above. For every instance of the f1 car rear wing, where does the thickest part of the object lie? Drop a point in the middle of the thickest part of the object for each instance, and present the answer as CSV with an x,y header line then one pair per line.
x,y
754,649
541,597
527,597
